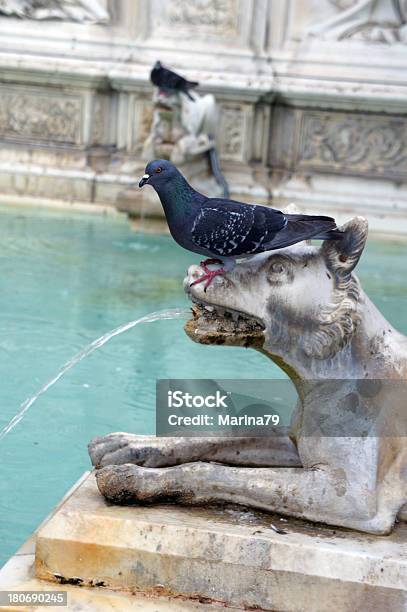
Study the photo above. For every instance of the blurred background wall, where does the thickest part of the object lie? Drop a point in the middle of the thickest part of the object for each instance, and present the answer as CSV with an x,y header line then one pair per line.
x,y
312,97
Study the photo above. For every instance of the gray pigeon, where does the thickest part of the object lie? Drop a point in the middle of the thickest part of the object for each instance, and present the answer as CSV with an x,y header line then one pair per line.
x,y
225,230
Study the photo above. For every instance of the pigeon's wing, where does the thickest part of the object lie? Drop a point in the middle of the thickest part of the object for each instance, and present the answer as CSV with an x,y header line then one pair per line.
x,y
172,80
165,78
156,76
304,227
230,229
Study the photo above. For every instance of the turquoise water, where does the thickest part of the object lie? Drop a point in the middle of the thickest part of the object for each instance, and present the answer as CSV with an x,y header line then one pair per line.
x,y
64,281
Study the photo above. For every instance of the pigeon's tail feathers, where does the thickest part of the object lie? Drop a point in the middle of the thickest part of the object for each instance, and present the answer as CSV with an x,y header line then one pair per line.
x,y
334,234
186,92
304,227
187,86
329,229
302,217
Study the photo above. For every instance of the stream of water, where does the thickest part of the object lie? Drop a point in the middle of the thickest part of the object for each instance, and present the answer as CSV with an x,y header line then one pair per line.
x,y
175,313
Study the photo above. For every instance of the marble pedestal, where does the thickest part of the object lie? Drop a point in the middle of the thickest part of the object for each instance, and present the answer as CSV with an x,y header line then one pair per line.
x,y
218,555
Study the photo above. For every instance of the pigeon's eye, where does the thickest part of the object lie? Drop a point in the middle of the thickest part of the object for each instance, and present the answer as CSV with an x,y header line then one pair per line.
x,y
158,170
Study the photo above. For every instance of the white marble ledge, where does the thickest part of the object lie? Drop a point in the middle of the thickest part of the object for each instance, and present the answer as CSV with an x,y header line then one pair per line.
x,y
34,69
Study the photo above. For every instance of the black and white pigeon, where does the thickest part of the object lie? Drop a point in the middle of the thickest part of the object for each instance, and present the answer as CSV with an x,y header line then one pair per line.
x,y
168,81
225,230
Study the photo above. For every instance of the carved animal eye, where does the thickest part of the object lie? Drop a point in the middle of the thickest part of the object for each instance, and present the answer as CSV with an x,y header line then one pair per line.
x,y
158,170
277,268
280,270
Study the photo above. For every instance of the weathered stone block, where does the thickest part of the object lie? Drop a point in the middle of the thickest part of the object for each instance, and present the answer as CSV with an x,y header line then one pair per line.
x,y
224,554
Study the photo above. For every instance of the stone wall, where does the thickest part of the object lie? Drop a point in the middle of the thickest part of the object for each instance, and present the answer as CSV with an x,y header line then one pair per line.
x,y
312,95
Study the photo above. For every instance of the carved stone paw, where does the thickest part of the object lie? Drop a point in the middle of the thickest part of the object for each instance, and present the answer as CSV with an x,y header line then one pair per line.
x,y
120,448
127,484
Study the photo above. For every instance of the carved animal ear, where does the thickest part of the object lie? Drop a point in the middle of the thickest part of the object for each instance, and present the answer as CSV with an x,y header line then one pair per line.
x,y
343,255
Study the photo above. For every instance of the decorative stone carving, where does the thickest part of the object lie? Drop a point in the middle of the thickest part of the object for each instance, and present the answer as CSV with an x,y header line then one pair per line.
x,y
353,142
375,21
93,11
232,131
343,4
218,14
100,117
142,123
40,117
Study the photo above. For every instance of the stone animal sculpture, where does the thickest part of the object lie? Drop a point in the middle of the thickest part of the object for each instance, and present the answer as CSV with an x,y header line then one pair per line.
x,y
182,129
303,308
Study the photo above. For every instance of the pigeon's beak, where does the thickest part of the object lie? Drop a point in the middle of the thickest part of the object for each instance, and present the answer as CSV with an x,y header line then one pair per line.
x,y
144,180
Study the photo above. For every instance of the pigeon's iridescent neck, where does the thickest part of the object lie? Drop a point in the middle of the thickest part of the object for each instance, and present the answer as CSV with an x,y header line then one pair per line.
x,y
177,196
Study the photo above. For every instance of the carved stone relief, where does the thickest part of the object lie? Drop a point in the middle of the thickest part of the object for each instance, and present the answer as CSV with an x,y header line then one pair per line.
x,y
343,4
142,122
232,132
94,11
354,143
214,14
40,117
375,21
100,120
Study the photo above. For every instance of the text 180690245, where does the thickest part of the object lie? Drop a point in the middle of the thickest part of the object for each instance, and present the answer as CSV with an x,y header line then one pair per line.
x,y
37,598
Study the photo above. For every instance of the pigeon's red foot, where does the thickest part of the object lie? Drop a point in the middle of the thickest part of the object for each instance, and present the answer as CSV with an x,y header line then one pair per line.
x,y
208,277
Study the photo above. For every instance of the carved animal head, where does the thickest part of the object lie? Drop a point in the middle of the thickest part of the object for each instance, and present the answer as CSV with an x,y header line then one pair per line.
x,y
301,301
